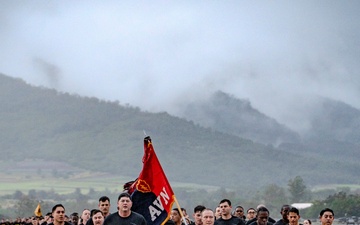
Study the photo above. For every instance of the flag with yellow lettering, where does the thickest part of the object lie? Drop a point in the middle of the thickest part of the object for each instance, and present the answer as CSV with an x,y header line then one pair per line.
x,y
151,193
37,211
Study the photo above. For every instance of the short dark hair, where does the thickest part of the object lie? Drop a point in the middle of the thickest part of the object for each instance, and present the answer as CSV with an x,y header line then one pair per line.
x,y
225,200
250,209
104,199
284,206
239,206
199,208
74,214
124,194
55,206
263,209
326,210
93,212
294,210
177,210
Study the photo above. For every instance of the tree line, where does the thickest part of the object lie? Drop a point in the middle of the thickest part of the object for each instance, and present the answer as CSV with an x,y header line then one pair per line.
x,y
343,201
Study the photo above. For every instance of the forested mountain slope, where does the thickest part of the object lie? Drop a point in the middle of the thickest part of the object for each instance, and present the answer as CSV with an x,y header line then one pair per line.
x,y
106,136
333,126
230,115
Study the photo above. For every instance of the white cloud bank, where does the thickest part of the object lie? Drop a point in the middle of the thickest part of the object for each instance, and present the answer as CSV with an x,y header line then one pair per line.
x,y
157,54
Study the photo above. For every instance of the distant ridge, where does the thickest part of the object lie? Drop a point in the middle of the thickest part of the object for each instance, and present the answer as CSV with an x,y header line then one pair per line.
x,y
227,114
105,136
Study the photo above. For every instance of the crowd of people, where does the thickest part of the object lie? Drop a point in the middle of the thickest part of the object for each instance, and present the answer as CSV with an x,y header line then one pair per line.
x,y
224,214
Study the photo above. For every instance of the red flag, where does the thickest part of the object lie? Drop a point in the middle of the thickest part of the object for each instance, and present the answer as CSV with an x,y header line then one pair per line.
x,y
151,193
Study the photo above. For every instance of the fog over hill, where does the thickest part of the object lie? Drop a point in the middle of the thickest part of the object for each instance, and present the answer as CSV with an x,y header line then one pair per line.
x,y
116,68
228,114
38,122
159,56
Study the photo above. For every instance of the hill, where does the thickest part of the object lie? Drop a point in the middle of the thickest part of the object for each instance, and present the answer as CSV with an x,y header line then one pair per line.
x,y
103,136
225,113
333,126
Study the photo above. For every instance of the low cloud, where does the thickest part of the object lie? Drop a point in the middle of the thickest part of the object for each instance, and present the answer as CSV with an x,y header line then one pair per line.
x,y
157,55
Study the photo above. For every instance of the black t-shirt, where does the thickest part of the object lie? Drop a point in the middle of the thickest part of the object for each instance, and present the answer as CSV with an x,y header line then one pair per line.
x,y
232,221
270,220
65,223
256,223
281,222
89,222
133,219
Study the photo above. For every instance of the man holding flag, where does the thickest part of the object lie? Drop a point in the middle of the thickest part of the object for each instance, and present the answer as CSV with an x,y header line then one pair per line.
x,y
151,193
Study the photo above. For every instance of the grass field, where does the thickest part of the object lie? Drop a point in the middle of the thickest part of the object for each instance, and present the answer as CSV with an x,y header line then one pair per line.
x,y
97,182
62,178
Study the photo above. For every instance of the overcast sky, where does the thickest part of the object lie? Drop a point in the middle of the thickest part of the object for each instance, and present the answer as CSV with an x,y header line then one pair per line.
x,y
157,54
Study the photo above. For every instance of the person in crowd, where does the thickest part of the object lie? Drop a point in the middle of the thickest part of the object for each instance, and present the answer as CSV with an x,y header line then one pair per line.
x,y
197,215
74,218
58,213
26,221
175,216
186,216
104,206
124,215
239,212
85,216
35,220
250,214
17,221
217,213
207,217
307,222
270,220
283,211
98,217
226,217
47,219
326,216
169,222
293,216
262,217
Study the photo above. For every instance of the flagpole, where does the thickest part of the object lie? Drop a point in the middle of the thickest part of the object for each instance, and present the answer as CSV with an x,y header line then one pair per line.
x,y
180,211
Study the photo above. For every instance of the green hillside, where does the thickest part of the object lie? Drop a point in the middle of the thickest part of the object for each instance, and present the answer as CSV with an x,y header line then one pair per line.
x,y
103,136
